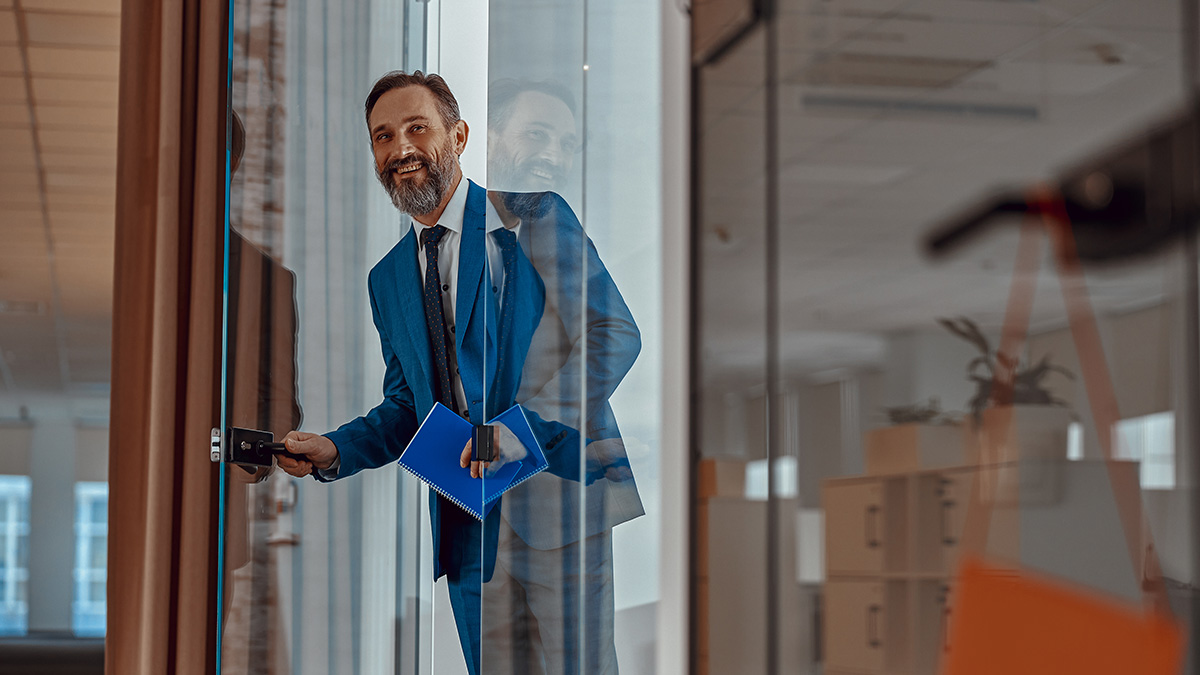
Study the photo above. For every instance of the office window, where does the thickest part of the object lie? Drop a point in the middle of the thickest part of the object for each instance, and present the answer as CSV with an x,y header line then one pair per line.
x,y
1151,440
91,558
14,554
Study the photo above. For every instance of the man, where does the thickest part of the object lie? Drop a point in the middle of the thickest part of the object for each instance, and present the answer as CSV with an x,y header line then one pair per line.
x,y
493,299
532,139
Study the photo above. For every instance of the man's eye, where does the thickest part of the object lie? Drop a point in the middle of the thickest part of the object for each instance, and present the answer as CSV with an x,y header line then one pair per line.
x,y
382,137
536,135
418,128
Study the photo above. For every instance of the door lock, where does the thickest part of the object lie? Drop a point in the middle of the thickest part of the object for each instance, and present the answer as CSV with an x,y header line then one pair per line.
x,y
250,447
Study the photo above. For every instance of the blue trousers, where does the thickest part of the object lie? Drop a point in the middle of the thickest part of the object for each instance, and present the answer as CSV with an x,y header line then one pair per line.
x,y
541,612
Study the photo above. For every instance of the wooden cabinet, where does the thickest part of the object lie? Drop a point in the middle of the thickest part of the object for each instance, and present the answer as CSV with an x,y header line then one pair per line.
x,y
892,544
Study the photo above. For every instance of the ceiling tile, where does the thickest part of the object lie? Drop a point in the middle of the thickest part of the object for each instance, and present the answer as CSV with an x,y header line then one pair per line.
x,y
81,221
84,6
82,62
77,116
16,140
14,114
70,90
8,28
94,181
70,161
12,89
73,29
80,200
79,141
10,60
17,180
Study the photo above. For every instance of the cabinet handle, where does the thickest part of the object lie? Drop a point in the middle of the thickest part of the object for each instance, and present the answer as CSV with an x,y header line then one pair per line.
x,y
948,539
873,640
871,526
946,629
944,601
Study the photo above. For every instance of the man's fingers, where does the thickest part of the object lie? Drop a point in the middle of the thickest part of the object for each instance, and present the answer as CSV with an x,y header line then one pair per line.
x,y
294,467
466,456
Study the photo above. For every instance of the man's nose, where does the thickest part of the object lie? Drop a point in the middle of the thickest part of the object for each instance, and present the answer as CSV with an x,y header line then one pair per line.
x,y
552,152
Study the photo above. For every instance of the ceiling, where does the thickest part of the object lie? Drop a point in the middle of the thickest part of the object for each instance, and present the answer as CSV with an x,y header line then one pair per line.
x,y
58,140
893,115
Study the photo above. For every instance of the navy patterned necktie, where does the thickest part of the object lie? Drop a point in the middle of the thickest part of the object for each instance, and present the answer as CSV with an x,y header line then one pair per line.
x,y
508,248
435,318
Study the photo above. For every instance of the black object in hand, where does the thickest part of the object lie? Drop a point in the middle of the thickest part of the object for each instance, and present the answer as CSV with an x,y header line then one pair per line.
x,y
483,447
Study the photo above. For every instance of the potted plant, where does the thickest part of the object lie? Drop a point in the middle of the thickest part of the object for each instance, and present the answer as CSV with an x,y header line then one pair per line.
x,y
1011,399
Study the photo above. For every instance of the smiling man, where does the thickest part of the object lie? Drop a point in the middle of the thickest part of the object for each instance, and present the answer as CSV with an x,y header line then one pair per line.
x,y
532,135
493,299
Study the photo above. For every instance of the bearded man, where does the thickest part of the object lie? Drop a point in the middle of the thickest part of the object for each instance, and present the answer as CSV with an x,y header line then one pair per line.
x,y
491,300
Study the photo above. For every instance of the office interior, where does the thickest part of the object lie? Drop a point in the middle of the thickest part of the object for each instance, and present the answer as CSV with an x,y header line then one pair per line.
x,y
778,189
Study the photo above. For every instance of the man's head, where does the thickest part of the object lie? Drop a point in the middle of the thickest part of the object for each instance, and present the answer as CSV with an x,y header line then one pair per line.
x,y
532,137
416,138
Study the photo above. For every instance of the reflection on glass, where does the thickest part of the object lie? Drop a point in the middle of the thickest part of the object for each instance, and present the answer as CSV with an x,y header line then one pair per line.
x,y
892,123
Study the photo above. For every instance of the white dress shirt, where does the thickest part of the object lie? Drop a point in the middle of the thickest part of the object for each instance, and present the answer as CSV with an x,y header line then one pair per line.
x,y
448,255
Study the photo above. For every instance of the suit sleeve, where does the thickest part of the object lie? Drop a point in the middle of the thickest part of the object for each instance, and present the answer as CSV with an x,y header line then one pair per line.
x,y
381,435
601,339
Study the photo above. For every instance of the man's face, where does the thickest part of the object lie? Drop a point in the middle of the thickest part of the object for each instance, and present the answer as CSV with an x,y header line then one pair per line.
x,y
535,149
416,156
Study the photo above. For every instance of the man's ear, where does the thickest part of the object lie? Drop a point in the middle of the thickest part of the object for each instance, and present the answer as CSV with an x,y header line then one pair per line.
x,y
461,131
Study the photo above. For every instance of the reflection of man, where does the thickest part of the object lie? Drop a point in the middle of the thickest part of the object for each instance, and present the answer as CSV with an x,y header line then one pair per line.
x,y
261,364
532,137
494,299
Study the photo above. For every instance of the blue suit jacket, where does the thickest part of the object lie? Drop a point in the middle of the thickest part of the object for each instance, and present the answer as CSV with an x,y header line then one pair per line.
x,y
568,319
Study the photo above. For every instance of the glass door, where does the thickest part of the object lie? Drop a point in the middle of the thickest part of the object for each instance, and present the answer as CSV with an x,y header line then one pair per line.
x,y
542,320
316,578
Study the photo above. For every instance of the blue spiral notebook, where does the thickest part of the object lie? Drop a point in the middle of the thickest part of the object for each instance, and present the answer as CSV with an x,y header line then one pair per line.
x,y
434,452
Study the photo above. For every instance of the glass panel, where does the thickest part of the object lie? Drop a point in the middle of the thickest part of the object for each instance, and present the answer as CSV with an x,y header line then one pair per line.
x,y
895,121
731,414
567,561
318,576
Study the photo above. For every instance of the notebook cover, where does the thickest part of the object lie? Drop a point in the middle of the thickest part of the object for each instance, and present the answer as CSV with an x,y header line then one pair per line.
x,y
434,452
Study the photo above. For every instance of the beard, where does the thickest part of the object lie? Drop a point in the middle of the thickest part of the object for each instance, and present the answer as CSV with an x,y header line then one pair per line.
x,y
531,175
413,197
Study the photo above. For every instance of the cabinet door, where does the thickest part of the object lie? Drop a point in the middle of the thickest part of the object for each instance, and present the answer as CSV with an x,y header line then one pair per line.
x,y
954,496
855,630
855,528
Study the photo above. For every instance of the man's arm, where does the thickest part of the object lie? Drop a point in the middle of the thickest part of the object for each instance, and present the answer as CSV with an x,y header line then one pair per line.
x,y
602,340
371,440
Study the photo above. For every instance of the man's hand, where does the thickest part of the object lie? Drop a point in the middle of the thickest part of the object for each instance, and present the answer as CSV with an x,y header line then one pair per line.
x,y
320,451
510,449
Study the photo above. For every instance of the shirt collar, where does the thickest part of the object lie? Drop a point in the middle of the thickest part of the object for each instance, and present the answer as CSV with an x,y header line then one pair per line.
x,y
452,217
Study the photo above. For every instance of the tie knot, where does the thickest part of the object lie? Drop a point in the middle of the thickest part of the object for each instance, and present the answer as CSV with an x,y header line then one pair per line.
x,y
432,235
505,238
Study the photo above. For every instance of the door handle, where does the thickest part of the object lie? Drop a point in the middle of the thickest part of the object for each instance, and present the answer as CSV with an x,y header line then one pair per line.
x,y
873,640
871,526
250,447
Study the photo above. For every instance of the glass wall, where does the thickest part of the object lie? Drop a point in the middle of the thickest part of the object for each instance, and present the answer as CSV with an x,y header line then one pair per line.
x,y
367,570
877,396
